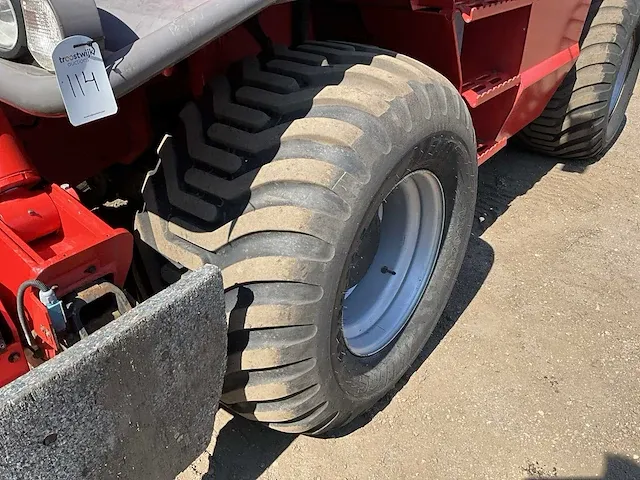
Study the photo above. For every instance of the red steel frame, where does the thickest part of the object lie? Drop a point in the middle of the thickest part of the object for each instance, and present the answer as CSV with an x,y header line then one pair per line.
x,y
46,234
506,57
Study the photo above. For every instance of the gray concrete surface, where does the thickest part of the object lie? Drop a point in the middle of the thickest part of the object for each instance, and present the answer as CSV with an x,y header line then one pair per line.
x,y
122,403
534,371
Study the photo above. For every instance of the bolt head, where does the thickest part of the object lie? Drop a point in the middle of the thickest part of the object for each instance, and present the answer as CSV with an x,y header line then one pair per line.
x,y
50,439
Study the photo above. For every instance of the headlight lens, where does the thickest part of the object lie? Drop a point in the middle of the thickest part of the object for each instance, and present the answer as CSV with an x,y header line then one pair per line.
x,y
13,40
44,31
8,26
48,22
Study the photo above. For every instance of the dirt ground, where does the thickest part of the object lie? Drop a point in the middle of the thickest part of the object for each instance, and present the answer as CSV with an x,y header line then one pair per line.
x,y
534,370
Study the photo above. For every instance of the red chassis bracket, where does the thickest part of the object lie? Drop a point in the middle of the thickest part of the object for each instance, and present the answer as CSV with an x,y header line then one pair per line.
x,y
13,362
81,251
46,234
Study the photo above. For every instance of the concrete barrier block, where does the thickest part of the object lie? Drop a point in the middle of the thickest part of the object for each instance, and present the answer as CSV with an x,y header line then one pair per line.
x,y
135,400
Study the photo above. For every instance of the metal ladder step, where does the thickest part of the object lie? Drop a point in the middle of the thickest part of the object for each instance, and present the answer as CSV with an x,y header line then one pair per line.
x,y
473,10
487,86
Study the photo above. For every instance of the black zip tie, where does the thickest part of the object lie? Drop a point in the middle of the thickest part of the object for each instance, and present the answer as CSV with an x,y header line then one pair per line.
x,y
85,44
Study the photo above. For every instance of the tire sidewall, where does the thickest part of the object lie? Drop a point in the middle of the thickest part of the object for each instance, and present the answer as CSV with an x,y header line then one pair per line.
x,y
617,117
353,382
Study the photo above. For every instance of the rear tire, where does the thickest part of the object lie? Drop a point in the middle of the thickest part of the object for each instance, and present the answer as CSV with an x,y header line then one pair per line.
x,y
301,152
587,112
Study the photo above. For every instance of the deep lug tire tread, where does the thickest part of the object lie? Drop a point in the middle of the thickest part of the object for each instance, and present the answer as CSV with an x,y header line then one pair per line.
x,y
574,123
295,137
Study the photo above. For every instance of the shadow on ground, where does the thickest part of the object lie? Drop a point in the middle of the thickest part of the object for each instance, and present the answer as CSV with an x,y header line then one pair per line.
x,y
616,468
244,450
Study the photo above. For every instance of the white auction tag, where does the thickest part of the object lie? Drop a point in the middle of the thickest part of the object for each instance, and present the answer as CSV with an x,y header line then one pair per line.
x,y
83,80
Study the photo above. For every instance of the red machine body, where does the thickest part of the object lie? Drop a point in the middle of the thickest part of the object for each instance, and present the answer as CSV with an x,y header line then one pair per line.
x,y
506,57
13,362
46,234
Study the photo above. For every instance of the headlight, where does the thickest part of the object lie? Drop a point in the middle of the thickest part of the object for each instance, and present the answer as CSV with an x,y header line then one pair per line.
x,y
48,22
12,35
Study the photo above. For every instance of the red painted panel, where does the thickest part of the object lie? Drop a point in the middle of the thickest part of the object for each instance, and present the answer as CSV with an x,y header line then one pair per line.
x,y
12,359
15,170
538,86
30,214
555,25
495,44
425,36
550,50
62,153
507,41
489,117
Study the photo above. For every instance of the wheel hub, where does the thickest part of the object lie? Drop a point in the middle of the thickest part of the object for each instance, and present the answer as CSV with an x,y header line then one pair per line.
x,y
393,263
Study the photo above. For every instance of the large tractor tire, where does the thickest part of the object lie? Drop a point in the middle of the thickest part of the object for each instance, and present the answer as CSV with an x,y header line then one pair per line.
x,y
587,112
336,191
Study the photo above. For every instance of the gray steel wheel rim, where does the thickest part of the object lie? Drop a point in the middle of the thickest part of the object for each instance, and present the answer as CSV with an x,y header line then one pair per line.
x,y
8,23
621,77
412,226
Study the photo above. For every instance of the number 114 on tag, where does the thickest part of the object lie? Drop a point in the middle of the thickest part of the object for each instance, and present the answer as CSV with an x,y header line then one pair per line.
x,y
83,80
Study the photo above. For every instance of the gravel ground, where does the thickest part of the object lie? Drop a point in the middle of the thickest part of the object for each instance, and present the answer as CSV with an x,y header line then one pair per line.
x,y
534,369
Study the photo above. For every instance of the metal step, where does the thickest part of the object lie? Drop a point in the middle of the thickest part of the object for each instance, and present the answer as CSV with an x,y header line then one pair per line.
x,y
487,86
473,10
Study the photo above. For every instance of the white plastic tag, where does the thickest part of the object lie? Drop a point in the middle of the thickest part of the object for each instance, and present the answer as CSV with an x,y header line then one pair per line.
x,y
83,80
